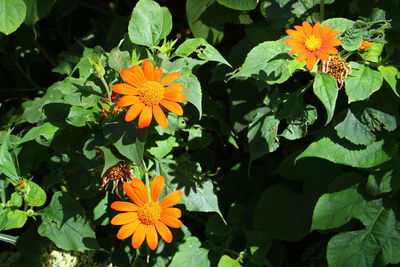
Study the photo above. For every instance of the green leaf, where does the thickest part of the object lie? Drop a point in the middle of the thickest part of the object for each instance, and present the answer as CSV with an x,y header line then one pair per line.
x,y
186,175
12,14
338,24
339,152
149,23
37,9
11,219
326,89
239,4
378,242
16,200
262,134
353,36
207,18
298,125
190,253
164,147
63,222
36,196
109,159
354,130
203,49
193,92
389,74
7,162
362,82
373,53
127,138
79,116
118,60
335,209
227,261
283,214
45,131
269,61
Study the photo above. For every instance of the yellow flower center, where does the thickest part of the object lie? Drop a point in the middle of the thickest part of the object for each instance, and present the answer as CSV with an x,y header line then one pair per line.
x,y
149,213
151,93
313,43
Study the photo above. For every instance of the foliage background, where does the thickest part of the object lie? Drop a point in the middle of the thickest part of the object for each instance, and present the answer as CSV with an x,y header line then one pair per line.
x,y
274,172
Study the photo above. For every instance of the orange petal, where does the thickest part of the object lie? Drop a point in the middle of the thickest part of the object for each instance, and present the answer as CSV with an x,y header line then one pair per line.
x,y
127,229
171,199
127,100
139,235
171,221
140,189
316,28
172,106
145,117
128,189
157,74
176,97
160,116
124,206
175,212
137,71
164,231
128,76
311,60
296,35
134,111
148,70
322,55
124,89
332,51
334,42
157,187
293,42
170,78
151,237
124,218
324,30
307,28
174,88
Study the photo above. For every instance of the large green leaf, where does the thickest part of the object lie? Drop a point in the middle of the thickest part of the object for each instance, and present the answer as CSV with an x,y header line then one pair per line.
x,y
269,61
127,138
118,60
37,9
163,147
190,253
338,24
7,162
339,152
43,133
64,222
389,73
362,82
198,190
283,214
262,134
227,261
11,218
378,243
326,89
149,23
203,49
12,14
79,116
354,130
193,92
335,209
239,4
35,196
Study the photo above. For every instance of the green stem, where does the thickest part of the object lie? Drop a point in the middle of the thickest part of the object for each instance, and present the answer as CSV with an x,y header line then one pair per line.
x,y
321,10
146,177
109,93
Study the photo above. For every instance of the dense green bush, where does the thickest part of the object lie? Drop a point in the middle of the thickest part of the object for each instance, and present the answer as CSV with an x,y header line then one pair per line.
x,y
280,162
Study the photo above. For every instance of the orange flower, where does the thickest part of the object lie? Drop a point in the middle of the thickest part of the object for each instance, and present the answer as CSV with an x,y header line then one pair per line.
x,y
147,216
364,45
311,42
145,91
